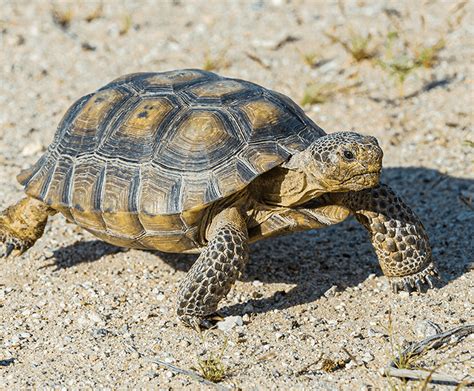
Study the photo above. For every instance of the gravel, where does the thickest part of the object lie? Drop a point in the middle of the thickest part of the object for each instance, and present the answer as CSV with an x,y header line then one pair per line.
x,y
79,313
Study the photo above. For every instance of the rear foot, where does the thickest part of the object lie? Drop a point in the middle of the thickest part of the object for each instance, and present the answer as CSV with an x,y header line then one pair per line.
x,y
9,245
21,225
416,280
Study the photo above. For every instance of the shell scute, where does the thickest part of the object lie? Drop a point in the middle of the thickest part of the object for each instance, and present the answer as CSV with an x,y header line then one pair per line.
x,y
83,133
136,133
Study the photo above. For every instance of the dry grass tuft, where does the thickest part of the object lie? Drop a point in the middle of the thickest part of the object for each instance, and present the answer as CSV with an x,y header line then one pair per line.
x,y
214,63
317,92
97,13
310,59
427,56
358,46
212,369
329,365
126,24
62,17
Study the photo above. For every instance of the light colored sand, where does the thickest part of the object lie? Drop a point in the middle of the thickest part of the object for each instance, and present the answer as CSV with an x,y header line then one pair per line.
x,y
72,308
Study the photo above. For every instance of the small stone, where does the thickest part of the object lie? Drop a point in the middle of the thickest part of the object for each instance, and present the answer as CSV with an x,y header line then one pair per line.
x,y
331,292
99,333
367,357
279,335
95,317
465,216
404,294
13,342
32,149
427,328
257,283
351,364
151,374
229,323
372,333
249,308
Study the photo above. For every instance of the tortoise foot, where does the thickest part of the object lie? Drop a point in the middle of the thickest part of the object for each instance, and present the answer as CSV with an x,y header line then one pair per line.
x,y
10,244
199,323
21,225
416,280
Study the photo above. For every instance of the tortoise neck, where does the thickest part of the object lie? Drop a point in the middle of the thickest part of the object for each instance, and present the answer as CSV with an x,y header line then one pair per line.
x,y
283,186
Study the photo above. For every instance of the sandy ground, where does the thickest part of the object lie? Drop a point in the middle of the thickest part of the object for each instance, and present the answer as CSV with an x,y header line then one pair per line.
x,y
78,313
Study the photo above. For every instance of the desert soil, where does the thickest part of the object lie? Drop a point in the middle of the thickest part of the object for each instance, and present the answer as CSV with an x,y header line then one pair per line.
x,y
78,313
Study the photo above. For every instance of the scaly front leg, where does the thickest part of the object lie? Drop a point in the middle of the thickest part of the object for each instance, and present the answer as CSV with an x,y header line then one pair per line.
x,y
397,235
215,271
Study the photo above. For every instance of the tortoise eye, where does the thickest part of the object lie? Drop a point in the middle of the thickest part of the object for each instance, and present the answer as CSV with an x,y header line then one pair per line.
x,y
348,155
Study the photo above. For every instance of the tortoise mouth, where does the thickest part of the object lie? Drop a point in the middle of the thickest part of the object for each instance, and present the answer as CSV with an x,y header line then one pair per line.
x,y
359,182
365,177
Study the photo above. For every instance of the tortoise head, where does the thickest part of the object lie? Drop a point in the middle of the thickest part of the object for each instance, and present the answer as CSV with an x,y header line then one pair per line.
x,y
339,162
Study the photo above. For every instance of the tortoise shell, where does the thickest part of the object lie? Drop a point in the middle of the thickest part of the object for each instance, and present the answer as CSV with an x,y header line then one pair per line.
x,y
145,154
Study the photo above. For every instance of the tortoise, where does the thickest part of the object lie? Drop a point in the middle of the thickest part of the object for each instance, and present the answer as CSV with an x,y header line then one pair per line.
x,y
187,161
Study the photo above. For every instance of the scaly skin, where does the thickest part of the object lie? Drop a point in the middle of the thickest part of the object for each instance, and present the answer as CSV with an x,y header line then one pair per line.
x,y
22,224
217,268
397,234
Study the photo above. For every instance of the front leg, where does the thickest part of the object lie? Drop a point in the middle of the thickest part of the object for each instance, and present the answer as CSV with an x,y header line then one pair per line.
x,y
217,268
397,235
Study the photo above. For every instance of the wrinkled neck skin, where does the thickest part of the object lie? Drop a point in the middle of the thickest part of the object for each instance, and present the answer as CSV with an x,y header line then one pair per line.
x,y
291,184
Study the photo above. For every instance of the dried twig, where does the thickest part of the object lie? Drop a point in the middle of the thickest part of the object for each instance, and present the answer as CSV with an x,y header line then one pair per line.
x,y
422,375
258,60
434,342
303,370
284,41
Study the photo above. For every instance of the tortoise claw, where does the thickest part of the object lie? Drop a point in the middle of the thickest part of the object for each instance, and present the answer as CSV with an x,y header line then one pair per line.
x,y
8,250
429,281
406,286
418,286
417,280
395,286
9,244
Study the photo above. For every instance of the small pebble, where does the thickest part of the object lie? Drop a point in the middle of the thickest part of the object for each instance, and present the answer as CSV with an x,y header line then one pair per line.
x,y
229,323
427,328
367,357
403,294
331,292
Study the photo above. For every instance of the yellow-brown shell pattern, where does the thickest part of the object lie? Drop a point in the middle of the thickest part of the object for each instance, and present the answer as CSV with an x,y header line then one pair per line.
x,y
138,161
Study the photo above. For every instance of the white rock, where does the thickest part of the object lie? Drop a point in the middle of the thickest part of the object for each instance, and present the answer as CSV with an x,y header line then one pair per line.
x,y
32,149
427,329
229,323
95,317
403,294
367,357
331,292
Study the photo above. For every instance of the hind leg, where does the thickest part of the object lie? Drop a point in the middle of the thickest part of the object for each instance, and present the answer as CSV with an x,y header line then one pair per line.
x,y
22,224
